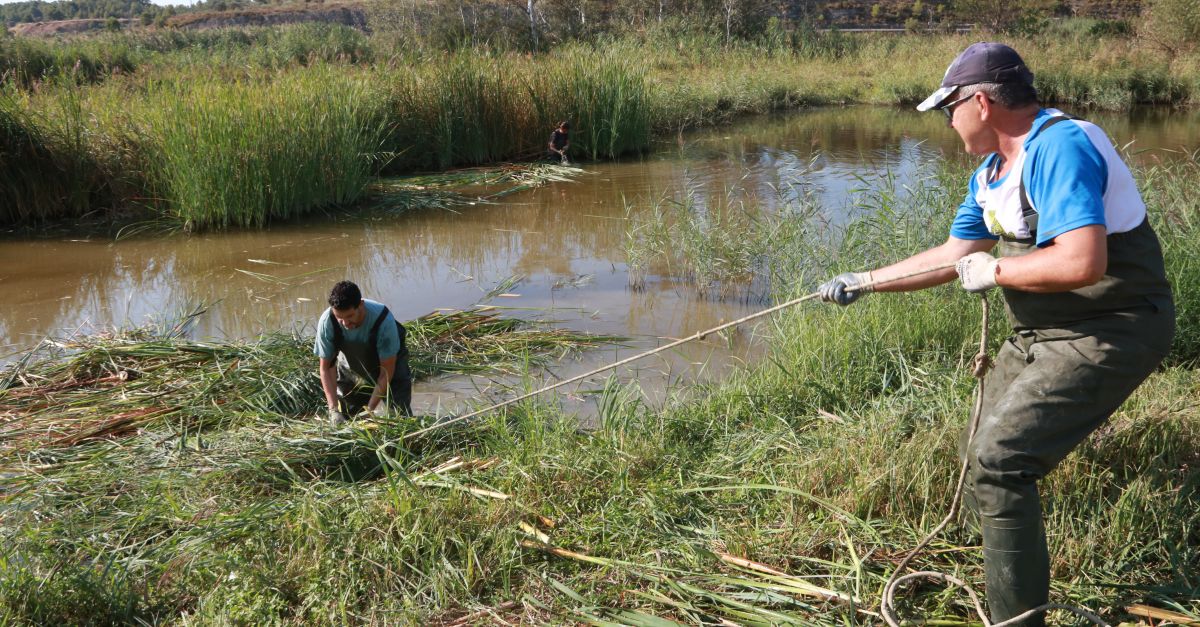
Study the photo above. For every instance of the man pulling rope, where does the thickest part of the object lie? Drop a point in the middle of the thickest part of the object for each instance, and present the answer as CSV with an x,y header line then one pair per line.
x,y
1085,291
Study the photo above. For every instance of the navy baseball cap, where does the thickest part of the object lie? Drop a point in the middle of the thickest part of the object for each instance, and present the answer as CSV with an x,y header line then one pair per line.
x,y
984,62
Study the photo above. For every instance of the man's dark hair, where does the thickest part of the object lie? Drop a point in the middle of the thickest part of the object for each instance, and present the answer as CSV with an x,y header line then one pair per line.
x,y
344,295
1007,95
564,124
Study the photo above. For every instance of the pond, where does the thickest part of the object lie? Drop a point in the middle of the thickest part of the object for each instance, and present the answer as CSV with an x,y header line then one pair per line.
x,y
562,244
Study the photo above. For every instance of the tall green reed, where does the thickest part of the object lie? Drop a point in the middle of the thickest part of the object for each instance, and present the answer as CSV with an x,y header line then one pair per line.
x,y
1175,213
603,92
472,107
49,166
248,152
28,189
28,61
722,244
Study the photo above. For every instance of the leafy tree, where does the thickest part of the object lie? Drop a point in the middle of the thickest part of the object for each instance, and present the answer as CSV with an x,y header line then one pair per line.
x,y
1015,15
38,10
1172,25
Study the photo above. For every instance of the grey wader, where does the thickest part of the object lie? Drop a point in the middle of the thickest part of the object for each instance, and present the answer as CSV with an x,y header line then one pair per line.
x,y
358,369
1073,359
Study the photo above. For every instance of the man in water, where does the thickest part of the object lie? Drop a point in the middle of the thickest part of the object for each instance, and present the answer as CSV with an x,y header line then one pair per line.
x,y
364,361
560,141
1084,288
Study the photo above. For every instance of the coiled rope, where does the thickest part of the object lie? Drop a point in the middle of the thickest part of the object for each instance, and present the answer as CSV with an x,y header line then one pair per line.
x,y
981,365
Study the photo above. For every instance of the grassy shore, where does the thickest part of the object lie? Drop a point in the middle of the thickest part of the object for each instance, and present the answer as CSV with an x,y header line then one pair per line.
x,y
823,464
280,122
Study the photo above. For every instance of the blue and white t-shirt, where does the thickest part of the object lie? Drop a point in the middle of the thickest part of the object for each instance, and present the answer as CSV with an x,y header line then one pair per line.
x,y
387,344
1074,177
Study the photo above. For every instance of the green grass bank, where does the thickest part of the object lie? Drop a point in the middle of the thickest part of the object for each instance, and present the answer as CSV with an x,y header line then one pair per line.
x,y
108,130
824,463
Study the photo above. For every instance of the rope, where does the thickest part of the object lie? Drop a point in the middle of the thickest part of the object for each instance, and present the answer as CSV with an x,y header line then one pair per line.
x,y
981,366
696,336
887,606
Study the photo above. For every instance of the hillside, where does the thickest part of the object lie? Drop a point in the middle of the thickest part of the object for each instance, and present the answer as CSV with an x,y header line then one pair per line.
x,y
76,16
347,14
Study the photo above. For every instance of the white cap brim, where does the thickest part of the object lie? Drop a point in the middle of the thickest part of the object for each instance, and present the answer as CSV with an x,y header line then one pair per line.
x,y
936,98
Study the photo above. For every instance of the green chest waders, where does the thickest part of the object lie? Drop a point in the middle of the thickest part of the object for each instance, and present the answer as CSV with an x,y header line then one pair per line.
x,y
358,367
1073,359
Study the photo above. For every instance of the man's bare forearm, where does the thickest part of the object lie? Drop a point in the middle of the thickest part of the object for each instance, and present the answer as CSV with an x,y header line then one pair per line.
x,y
329,385
949,252
382,383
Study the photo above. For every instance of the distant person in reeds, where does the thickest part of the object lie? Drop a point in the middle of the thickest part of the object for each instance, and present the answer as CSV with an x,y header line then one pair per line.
x,y
364,360
1085,289
560,142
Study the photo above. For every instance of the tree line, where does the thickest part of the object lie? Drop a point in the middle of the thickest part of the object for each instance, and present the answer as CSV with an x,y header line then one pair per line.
x,y
532,24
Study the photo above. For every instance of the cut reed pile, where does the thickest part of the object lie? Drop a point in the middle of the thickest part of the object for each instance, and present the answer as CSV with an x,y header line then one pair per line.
x,y
463,187
66,392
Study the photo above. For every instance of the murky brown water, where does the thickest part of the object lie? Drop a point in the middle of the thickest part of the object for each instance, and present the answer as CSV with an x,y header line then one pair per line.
x,y
564,240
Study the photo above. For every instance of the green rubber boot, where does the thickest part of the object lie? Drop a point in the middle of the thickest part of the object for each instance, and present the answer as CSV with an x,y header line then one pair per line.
x,y
1016,564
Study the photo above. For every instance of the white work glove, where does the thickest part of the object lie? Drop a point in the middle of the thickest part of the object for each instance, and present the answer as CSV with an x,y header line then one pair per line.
x,y
337,417
381,411
977,271
834,291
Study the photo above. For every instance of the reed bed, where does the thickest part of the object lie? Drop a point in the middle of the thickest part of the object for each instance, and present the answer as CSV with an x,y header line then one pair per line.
x,y
474,107
288,121
243,154
26,190
27,61
51,169
101,387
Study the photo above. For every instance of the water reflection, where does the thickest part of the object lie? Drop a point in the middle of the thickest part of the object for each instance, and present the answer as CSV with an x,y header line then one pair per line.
x,y
565,239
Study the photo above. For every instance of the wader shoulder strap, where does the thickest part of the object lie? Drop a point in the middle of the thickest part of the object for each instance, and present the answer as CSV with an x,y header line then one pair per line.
x,y
1027,211
336,332
373,337
403,352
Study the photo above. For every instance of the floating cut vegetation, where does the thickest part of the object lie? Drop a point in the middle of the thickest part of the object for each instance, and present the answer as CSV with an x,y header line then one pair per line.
x,y
245,153
103,386
480,341
463,187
